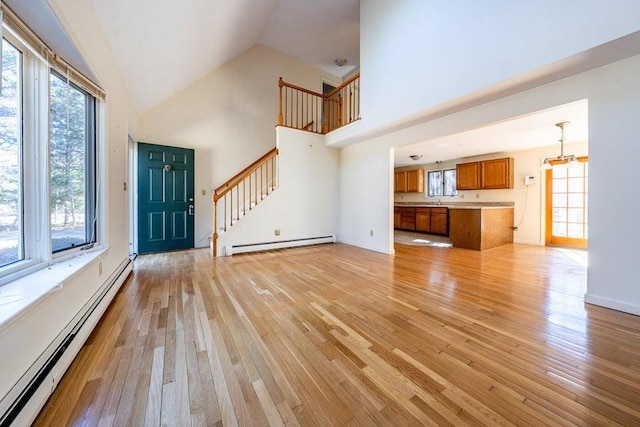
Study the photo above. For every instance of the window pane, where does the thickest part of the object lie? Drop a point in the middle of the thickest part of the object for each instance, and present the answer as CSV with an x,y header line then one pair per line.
x,y
575,230
435,184
576,185
559,214
559,201
576,200
450,183
559,229
559,172
68,156
576,171
575,215
10,154
559,185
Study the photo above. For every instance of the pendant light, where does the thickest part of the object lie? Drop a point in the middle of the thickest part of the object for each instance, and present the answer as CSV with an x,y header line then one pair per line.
x,y
562,159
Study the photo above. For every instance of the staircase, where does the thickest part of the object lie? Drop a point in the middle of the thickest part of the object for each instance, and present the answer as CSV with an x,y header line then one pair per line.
x,y
242,193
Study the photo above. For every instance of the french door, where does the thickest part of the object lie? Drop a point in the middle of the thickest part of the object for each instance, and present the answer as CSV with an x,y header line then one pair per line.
x,y
567,204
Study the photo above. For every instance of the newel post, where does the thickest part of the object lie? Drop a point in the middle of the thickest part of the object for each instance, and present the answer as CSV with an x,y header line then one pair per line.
x,y
214,243
280,116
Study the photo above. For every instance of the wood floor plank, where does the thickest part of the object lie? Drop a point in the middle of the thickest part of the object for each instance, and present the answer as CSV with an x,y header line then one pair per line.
x,y
336,335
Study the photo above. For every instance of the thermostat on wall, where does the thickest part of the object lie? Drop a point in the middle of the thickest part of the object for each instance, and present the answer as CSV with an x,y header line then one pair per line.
x,y
529,180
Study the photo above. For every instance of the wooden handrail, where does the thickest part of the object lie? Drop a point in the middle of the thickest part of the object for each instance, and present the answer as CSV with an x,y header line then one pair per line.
x,y
304,109
224,188
342,86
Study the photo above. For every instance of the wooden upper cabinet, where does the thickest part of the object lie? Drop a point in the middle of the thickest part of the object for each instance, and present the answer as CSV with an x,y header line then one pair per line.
x,y
401,182
497,173
485,175
409,181
468,176
415,181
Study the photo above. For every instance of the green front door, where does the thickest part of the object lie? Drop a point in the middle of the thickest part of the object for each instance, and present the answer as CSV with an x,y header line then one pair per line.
x,y
165,198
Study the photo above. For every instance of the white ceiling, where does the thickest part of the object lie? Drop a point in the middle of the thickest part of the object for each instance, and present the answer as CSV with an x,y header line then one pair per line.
x,y
163,46
520,133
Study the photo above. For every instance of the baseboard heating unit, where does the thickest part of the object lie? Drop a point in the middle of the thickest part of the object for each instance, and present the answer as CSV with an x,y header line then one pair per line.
x,y
27,397
282,244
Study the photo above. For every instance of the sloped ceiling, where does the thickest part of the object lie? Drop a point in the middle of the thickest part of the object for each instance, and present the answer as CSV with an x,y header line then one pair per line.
x,y
163,46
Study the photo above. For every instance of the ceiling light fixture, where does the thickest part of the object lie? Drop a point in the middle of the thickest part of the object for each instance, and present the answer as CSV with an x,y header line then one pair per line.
x,y
341,62
415,157
562,159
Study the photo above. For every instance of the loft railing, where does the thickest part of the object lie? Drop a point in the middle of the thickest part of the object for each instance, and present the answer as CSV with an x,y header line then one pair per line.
x,y
233,199
304,109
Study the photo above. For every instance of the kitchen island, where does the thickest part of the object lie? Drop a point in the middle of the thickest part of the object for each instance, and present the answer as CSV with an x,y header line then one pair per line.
x,y
476,226
480,227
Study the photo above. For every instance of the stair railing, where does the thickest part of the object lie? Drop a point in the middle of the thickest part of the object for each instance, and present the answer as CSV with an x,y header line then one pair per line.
x,y
304,109
241,193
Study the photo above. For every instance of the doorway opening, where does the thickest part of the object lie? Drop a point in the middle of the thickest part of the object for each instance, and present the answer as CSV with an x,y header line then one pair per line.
x,y
567,198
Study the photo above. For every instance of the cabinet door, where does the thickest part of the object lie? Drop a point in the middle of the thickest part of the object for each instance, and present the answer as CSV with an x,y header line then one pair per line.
x,y
468,176
423,221
408,218
415,181
497,173
439,223
396,218
401,182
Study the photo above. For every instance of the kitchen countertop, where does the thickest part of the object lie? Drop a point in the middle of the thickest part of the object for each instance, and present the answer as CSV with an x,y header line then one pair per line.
x,y
480,205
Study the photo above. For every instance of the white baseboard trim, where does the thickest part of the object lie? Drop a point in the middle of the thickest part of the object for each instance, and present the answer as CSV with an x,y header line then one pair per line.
x,y
612,304
77,333
257,247
368,247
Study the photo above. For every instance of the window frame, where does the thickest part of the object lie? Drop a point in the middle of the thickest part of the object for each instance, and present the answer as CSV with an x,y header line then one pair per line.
x,y
441,187
35,167
90,162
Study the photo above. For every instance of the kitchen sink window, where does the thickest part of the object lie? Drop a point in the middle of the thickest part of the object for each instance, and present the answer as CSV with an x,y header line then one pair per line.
x,y
442,183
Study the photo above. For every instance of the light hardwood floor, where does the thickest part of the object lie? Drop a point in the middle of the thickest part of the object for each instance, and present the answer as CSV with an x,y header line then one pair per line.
x,y
336,335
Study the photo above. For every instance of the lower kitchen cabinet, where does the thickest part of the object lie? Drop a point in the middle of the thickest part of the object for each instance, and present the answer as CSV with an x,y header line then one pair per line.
x,y
433,220
397,218
423,219
408,218
439,221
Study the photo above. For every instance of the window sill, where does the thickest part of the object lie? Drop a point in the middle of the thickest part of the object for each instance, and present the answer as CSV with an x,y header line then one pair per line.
x,y
18,296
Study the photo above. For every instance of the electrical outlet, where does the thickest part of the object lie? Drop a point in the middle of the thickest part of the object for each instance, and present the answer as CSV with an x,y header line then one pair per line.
x,y
204,192
100,268
277,231
371,233
477,195
462,196
124,186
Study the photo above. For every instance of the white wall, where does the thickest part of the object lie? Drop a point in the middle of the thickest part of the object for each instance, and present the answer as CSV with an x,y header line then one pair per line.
x,y
25,338
305,203
613,93
366,196
529,218
420,54
228,118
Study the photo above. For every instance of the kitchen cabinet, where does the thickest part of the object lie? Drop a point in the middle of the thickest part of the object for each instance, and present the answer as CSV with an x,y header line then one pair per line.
x,y
415,181
468,176
397,217
408,218
409,181
485,175
434,220
423,219
401,182
439,221
497,173
480,228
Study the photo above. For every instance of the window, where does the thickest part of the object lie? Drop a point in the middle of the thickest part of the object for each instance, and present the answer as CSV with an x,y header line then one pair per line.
x,y
11,221
48,180
442,183
71,165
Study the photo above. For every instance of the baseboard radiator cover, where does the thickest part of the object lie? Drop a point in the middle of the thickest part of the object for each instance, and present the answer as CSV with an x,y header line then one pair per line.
x,y
282,244
29,395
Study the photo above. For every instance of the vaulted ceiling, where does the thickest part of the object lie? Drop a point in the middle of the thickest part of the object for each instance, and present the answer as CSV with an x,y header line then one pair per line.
x,y
163,46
